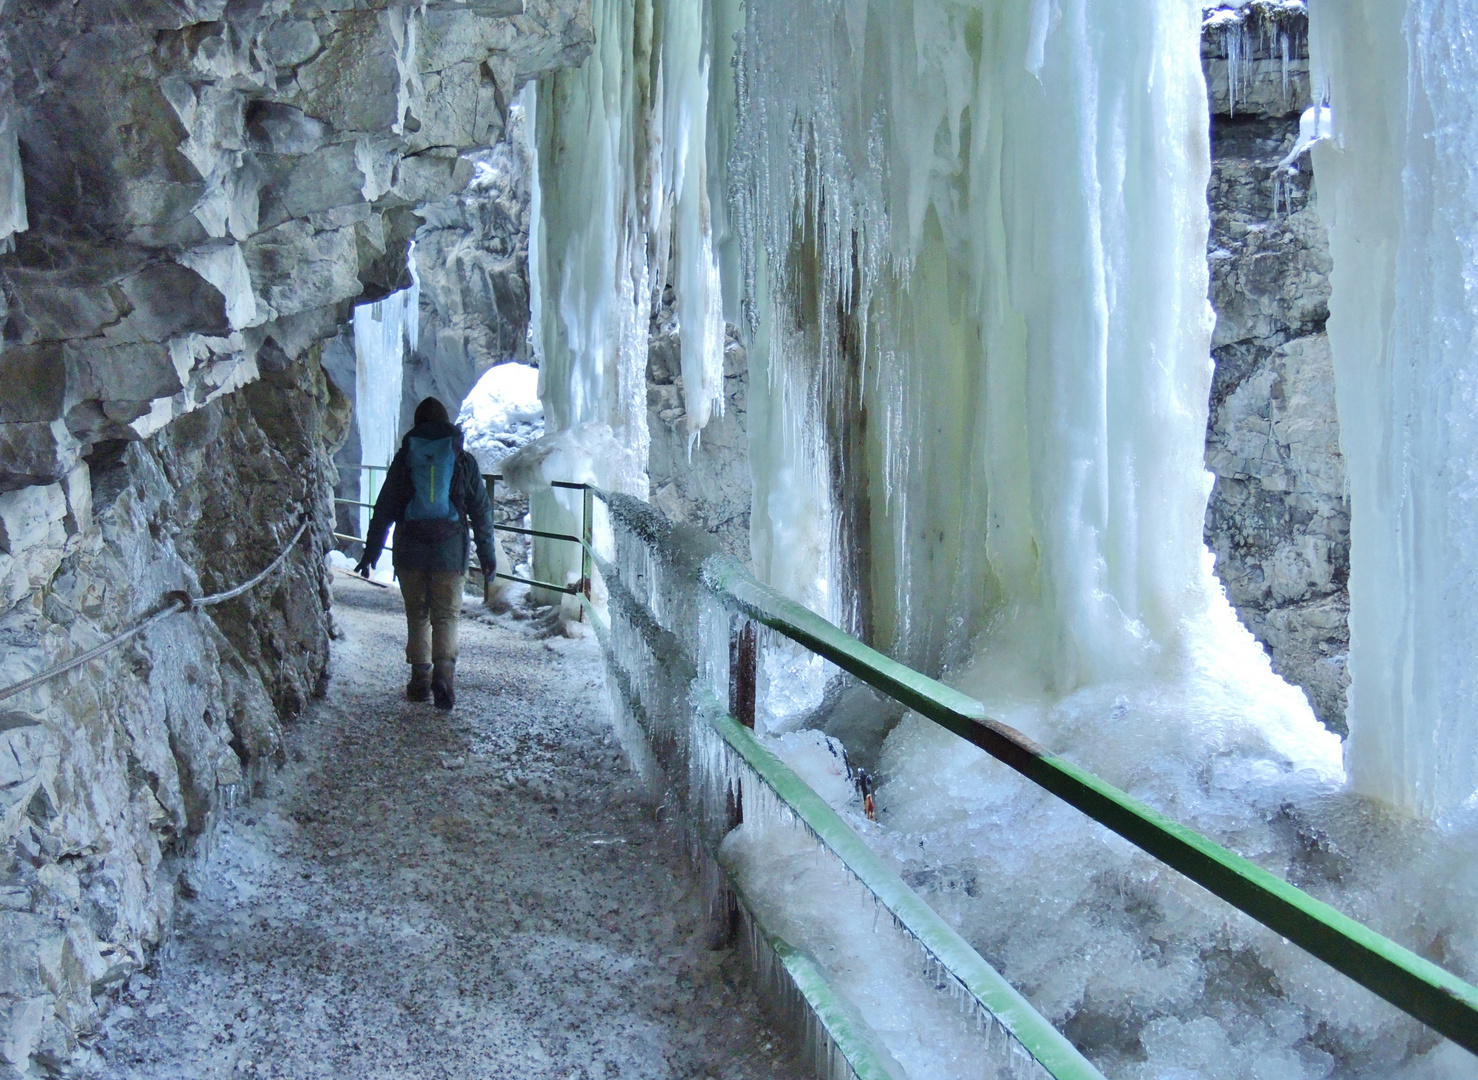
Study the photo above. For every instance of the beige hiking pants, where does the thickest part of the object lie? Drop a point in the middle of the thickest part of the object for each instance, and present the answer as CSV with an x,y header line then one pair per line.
x,y
433,602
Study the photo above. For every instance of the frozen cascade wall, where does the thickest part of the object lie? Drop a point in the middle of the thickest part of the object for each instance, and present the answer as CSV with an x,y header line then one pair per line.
x,y
1399,187
621,194
893,241
990,223
966,246
626,139
383,333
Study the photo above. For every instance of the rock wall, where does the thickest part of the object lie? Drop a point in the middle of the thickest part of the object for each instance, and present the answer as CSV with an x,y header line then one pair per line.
x,y
705,484
1278,520
112,777
193,195
471,258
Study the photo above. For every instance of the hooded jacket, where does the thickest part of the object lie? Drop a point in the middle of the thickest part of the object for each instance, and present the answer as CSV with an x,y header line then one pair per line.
x,y
424,545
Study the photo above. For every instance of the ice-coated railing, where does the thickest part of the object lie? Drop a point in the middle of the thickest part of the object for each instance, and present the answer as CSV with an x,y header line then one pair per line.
x,y
677,608
668,650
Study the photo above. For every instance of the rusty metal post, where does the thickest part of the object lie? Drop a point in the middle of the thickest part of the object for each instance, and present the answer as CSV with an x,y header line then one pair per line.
x,y
743,663
586,532
491,484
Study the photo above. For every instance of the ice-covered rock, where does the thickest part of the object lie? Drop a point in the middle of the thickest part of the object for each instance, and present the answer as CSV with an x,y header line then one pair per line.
x,y
703,482
1256,56
502,414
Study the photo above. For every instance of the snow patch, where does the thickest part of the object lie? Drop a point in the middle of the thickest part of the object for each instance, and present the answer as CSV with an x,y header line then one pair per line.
x,y
502,414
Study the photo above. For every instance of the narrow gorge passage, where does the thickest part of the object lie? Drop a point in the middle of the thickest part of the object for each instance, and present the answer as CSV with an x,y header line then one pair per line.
x,y
484,894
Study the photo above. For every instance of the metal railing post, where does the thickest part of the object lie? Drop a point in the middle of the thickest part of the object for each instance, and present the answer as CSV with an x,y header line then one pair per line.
x,y
585,540
743,666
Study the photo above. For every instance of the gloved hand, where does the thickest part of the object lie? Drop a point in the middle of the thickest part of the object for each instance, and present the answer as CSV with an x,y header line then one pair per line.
x,y
489,588
363,569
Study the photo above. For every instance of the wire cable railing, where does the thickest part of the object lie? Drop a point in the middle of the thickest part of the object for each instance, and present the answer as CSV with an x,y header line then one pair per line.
x,y
175,603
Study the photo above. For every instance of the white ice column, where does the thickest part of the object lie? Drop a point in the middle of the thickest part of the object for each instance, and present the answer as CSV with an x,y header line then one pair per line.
x,y
1398,186
383,332
627,153
1007,200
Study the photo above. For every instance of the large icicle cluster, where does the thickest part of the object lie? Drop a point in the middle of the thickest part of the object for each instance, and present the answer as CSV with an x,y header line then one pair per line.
x,y
625,139
965,244
990,221
627,154
383,332
1399,186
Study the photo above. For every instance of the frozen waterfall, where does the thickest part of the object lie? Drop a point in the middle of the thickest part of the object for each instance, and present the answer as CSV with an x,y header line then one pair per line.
x,y
383,333
1399,184
965,246
637,189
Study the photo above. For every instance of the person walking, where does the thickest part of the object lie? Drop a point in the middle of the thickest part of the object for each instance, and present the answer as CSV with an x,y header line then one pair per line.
x,y
433,491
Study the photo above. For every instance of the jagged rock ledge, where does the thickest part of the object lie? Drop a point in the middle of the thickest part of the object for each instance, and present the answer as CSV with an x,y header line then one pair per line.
x,y
193,195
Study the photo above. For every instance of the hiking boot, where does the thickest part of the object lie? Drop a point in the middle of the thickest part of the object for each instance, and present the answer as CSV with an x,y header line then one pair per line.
x,y
443,674
419,688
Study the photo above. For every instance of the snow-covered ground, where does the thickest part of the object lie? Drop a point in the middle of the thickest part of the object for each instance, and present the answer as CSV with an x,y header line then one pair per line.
x,y
418,896
502,413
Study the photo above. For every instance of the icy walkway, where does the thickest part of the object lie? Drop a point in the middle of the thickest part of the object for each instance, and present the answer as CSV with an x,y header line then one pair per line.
x,y
429,897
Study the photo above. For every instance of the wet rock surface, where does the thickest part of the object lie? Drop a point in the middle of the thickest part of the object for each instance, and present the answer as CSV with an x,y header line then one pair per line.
x,y
113,776
484,894
471,258
1278,519
702,482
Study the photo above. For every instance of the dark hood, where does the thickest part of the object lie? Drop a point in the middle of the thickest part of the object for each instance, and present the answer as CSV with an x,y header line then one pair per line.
x,y
434,429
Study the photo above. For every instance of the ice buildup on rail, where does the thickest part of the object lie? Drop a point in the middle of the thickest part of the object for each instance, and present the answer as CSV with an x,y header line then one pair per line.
x,y
1398,184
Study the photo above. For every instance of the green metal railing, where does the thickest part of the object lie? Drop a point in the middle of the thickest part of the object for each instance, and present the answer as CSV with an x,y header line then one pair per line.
x,y
490,480
846,1032
1417,986
976,976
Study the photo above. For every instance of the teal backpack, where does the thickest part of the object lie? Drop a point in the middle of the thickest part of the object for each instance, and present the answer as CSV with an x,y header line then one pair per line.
x,y
432,462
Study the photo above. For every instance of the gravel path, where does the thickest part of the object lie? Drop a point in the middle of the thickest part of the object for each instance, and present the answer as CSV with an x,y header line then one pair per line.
x,y
424,896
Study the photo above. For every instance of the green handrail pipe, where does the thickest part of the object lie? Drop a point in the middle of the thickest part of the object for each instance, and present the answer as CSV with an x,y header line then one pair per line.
x,y
1414,985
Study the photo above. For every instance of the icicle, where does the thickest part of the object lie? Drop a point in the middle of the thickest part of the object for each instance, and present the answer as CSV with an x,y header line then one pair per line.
x,y
1236,41
1401,80
384,333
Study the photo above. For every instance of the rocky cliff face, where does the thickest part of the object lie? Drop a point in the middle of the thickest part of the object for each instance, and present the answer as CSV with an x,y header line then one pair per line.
x,y
1278,520
705,484
193,194
112,777
471,258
